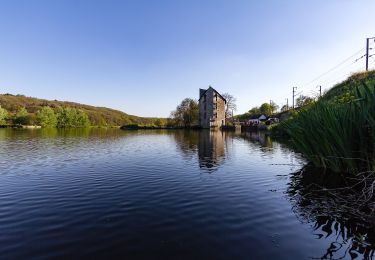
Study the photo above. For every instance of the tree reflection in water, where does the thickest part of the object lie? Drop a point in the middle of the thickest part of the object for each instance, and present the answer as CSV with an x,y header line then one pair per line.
x,y
259,137
323,200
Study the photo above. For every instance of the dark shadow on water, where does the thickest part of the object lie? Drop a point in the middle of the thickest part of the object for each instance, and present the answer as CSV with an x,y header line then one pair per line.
x,y
322,200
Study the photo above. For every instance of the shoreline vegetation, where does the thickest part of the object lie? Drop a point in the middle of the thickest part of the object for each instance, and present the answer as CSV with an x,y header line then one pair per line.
x,y
337,132
27,112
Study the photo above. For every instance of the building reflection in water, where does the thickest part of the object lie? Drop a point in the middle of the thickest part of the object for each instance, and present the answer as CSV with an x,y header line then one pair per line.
x,y
211,151
213,147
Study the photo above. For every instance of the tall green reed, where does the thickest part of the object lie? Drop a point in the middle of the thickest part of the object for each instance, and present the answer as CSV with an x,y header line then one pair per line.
x,y
340,137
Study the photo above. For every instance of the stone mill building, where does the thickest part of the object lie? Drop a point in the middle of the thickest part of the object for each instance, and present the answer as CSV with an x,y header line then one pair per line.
x,y
211,108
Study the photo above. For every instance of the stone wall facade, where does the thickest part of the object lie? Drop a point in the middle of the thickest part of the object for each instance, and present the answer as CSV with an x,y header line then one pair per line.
x,y
211,108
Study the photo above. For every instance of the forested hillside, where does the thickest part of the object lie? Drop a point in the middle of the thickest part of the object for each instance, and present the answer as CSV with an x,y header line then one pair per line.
x,y
98,116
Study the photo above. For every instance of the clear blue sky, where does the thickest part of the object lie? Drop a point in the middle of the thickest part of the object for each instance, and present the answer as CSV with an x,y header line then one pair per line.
x,y
144,57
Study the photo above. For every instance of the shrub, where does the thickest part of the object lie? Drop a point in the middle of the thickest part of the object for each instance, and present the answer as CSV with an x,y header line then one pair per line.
x,y
21,117
3,116
46,117
71,117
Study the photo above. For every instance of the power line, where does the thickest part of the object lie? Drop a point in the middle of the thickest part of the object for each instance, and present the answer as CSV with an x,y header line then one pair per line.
x,y
364,55
326,83
333,68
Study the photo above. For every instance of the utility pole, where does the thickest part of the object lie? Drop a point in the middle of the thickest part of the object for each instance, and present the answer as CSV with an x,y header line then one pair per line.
x,y
320,91
294,91
368,50
287,104
271,107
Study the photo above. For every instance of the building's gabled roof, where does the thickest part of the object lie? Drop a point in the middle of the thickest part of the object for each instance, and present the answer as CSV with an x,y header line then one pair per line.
x,y
202,92
257,116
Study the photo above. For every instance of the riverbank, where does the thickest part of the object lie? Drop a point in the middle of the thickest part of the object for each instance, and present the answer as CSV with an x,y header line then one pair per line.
x,y
154,127
21,126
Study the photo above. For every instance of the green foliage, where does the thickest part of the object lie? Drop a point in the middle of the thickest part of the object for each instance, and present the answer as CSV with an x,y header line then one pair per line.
x,y
46,117
265,109
71,117
344,98
22,117
284,108
346,89
98,116
338,136
186,114
3,116
302,101
254,111
160,122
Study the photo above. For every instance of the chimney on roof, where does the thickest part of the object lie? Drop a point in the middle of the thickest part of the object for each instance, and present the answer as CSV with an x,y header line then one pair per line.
x,y
201,92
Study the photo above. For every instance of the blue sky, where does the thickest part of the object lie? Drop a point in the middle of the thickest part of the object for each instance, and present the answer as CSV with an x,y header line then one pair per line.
x,y
144,57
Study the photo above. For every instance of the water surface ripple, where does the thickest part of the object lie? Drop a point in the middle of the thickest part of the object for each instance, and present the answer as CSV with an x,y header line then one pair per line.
x,y
149,194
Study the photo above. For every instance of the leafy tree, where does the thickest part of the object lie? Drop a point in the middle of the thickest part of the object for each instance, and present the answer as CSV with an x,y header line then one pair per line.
x,y
82,119
3,116
273,107
230,106
284,108
46,117
304,101
71,117
21,117
159,122
254,111
266,109
186,114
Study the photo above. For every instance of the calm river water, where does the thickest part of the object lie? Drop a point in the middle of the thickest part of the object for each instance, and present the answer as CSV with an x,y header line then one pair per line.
x,y
93,193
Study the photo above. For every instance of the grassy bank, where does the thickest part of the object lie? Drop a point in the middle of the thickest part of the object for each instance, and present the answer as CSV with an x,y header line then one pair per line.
x,y
338,131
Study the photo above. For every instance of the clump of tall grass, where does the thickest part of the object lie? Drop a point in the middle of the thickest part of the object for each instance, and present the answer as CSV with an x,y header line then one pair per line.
x,y
337,136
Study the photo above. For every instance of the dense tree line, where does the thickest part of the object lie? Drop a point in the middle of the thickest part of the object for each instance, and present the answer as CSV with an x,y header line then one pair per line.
x,y
46,117
265,109
98,116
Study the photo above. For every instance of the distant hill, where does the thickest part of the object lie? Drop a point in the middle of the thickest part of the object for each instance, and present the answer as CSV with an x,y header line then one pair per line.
x,y
98,115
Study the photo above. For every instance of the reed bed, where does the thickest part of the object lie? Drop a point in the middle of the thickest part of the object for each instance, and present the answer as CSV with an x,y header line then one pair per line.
x,y
337,136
